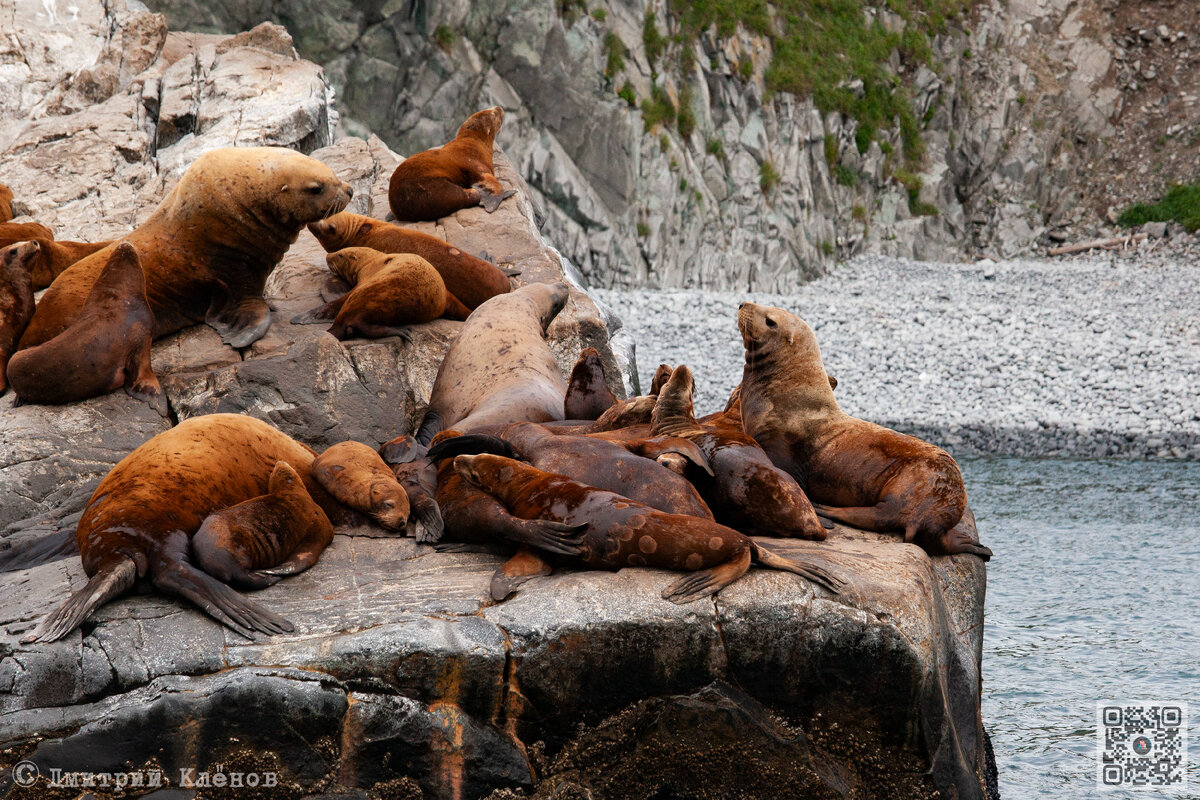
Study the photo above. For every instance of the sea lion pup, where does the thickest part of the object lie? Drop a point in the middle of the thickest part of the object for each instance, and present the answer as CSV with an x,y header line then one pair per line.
x,y
410,464
105,348
594,462
588,395
6,196
499,369
626,414
138,524
471,280
620,532
747,491
356,475
435,183
57,256
661,376
13,232
389,291
856,472
16,299
208,248
259,541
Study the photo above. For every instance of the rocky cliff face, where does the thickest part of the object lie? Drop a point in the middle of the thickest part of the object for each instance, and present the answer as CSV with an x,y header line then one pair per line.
x,y
1014,115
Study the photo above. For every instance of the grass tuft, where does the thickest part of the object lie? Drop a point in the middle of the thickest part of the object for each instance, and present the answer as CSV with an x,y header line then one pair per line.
x,y
1181,203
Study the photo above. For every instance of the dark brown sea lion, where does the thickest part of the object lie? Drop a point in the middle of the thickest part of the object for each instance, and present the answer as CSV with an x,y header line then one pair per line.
x,y
6,196
209,247
13,232
620,532
747,491
435,183
259,541
661,376
856,472
410,463
499,369
16,298
106,347
57,256
356,475
138,524
471,280
389,291
588,395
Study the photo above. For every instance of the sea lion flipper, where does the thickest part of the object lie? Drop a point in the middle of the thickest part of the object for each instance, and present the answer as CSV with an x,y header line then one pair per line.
x,y
818,575
544,534
523,566
113,578
706,582
141,382
431,425
511,273
491,202
218,600
954,541
473,444
240,321
325,313
427,520
455,308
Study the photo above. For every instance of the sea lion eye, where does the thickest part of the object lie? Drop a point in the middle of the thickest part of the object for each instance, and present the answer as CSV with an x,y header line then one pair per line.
x,y
314,188
770,322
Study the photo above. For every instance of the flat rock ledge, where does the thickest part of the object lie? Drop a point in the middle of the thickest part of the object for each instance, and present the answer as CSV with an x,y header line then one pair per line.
x,y
402,678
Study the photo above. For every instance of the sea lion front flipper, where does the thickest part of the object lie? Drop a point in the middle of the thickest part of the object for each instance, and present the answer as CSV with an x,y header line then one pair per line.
x,y
523,566
818,575
426,520
334,287
706,582
112,579
217,600
325,313
878,518
140,381
544,534
491,202
241,322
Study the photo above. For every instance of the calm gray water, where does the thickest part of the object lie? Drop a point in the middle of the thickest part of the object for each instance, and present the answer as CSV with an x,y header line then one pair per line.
x,y
1094,594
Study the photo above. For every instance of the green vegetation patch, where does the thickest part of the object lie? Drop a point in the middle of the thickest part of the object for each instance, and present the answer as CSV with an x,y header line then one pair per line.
x,y
615,52
1181,203
657,108
654,42
445,37
768,177
627,93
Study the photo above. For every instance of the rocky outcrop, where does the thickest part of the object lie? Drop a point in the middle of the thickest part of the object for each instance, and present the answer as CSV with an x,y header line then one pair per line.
x,y
402,678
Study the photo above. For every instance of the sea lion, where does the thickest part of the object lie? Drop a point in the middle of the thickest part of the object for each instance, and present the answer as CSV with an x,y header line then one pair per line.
x,y
13,232
499,369
410,464
435,183
356,475
107,346
747,491
620,532
661,376
588,395
6,196
856,472
471,280
625,414
208,248
56,257
389,291
137,526
259,541
16,299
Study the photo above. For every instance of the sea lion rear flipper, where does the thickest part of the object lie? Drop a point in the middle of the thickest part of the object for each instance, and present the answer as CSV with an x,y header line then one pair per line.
x,y
325,313
113,578
455,308
491,202
240,321
706,582
523,566
217,600
511,273
818,575
544,534
431,425
473,444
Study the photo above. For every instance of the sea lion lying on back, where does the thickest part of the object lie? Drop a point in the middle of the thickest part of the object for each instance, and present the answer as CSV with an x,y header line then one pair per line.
x,y
435,183
209,246
854,471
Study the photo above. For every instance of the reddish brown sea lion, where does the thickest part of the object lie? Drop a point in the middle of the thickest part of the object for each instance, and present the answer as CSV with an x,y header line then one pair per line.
x,y
661,376
620,532
499,369
57,256
409,462
13,232
856,472
471,280
389,291
208,248
356,475
435,183
588,395
6,196
16,299
137,526
747,490
106,347
259,541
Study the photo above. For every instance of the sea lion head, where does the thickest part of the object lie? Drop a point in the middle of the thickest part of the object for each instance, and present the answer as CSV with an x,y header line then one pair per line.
x,y
283,477
485,470
550,299
389,505
780,344
16,258
338,231
483,124
349,263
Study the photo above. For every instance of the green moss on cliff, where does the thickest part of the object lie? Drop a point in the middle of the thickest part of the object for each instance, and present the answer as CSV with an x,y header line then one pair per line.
x,y
1181,203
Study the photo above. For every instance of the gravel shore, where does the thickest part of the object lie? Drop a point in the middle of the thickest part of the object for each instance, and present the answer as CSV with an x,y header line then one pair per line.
x,y
1092,356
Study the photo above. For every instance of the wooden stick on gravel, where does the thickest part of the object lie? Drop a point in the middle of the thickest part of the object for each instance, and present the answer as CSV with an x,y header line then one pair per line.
x,y
1097,244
